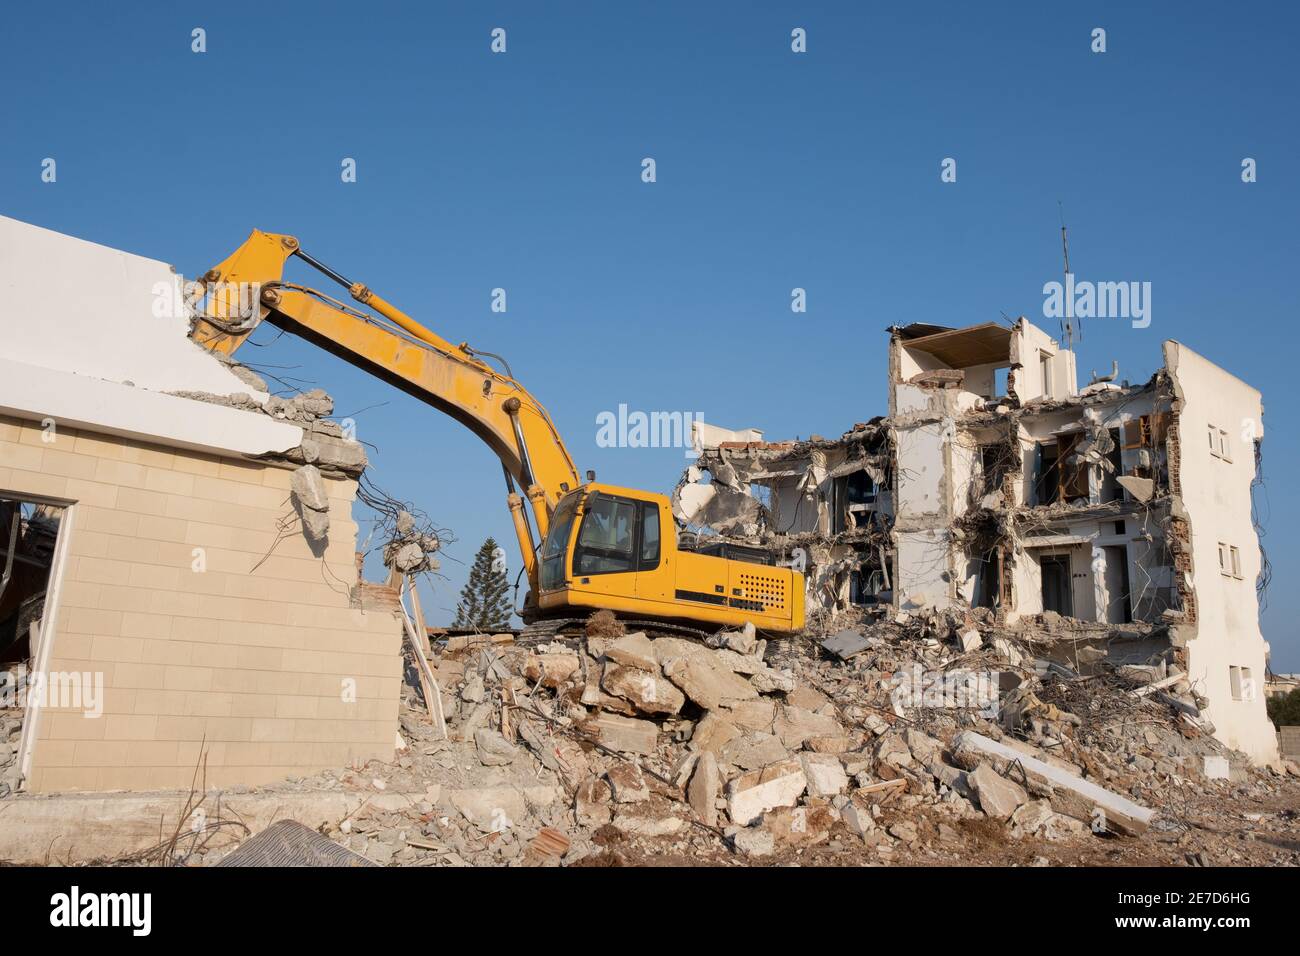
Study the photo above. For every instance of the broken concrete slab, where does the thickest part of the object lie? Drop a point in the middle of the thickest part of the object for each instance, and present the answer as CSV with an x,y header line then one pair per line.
x,y
627,783
645,690
624,734
754,751
753,793
552,670
998,797
825,773
1070,794
794,725
634,650
707,683
1140,488
846,644
756,715
712,733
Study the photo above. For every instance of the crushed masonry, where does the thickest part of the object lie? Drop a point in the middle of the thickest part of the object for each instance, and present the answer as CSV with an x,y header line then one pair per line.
x,y
848,759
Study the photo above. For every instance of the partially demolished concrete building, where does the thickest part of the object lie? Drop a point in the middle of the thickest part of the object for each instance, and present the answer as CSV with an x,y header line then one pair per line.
x,y
1114,519
180,602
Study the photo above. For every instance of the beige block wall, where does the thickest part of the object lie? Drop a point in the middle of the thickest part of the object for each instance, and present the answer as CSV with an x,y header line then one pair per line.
x,y
246,661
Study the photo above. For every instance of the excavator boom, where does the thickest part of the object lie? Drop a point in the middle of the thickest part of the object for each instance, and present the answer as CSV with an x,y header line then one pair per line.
x,y
248,288
596,546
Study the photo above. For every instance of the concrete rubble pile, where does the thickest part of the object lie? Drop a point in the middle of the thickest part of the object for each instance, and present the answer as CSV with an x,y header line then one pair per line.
x,y
878,741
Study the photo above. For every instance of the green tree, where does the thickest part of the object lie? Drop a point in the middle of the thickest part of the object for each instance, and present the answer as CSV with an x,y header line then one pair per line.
x,y
484,601
1284,709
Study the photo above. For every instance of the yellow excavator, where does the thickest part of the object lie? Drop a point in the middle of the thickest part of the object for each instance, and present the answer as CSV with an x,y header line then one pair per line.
x,y
601,546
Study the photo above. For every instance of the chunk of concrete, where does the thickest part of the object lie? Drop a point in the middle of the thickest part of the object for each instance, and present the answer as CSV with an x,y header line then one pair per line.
x,y
625,734
998,797
1216,768
627,783
772,681
753,751
799,826
857,814
644,820
707,683
645,690
634,650
551,669
845,644
751,794
308,486
702,794
493,749
712,733
794,725
742,642
754,841
593,802
825,773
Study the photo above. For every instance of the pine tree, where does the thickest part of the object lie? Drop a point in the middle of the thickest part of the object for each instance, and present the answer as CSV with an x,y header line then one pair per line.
x,y
484,602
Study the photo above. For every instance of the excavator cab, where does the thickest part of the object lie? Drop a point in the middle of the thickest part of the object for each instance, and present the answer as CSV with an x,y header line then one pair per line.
x,y
616,548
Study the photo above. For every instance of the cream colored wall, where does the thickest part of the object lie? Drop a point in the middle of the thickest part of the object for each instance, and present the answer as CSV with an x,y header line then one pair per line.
x,y
1028,344
1216,496
248,667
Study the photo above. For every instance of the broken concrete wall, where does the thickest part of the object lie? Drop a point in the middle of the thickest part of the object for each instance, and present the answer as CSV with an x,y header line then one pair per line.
x,y
74,306
821,505
219,635
1219,424
186,589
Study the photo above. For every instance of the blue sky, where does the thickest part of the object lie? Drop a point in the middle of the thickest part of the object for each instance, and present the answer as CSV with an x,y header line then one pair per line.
x,y
775,171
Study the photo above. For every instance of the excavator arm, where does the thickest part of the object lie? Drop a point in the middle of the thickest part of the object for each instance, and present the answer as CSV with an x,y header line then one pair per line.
x,y
248,288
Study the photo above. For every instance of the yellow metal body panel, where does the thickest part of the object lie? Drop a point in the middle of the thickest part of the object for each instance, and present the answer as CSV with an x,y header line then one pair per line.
x,y
684,585
248,288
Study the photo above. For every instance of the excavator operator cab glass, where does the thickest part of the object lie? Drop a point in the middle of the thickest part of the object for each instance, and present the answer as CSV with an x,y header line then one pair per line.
x,y
555,550
607,536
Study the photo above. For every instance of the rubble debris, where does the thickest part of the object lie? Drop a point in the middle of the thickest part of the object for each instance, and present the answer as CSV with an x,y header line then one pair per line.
x,y
840,763
846,643
311,500
998,797
411,549
289,843
1069,794
776,785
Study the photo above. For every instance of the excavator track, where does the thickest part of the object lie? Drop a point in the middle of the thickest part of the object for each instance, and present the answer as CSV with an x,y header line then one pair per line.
x,y
545,630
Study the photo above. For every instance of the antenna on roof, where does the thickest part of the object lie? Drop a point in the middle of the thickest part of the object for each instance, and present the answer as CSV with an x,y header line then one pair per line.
x,y
1067,323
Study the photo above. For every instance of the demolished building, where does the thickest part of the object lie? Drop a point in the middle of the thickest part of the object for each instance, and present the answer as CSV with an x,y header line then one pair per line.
x,y
1114,520
186,609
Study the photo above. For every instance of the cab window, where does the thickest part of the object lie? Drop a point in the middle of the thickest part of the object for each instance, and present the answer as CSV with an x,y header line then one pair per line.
x,y
649,536
605,541
555,548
